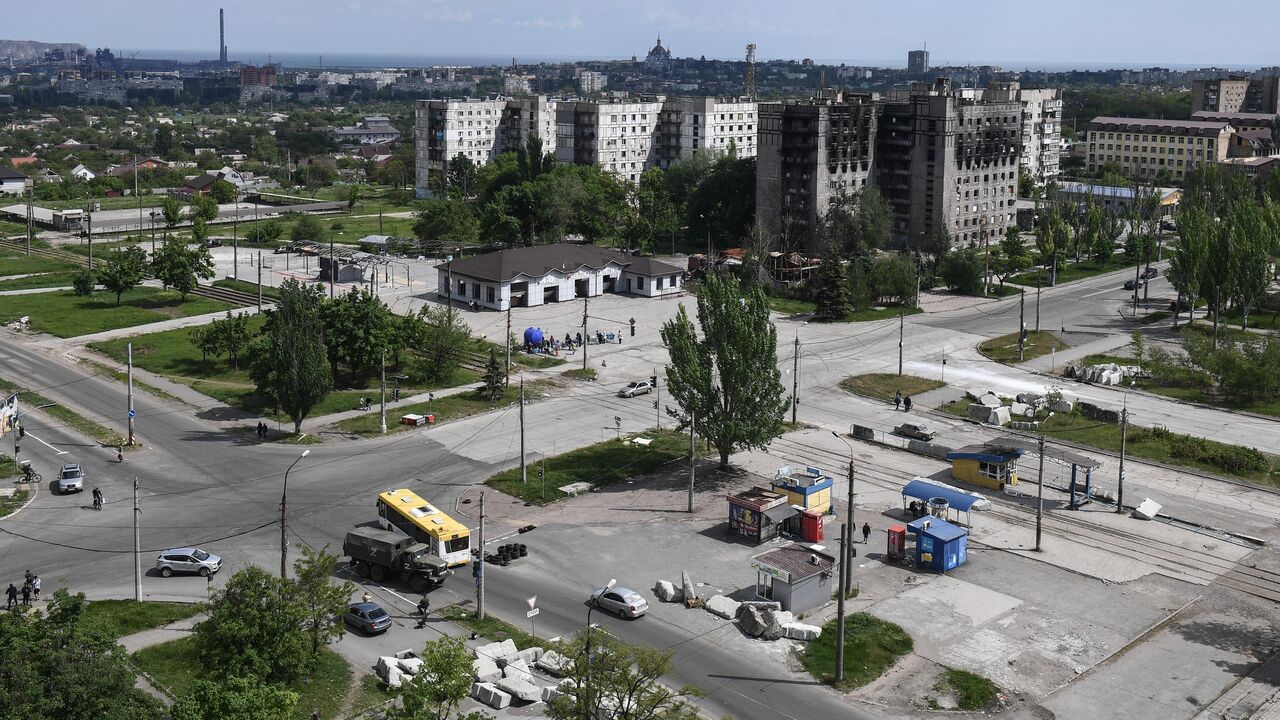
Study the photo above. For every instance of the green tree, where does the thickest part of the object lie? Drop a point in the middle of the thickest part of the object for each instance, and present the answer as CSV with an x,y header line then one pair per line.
x,y
319,599
172,212
353,196
124,270
439,688
463,178
204,207
1196,231
894,279
1026,184
264,232
255,629
307,229
440,338
207,339
494,377
199,230
265,148
181,267
223,191
728,379
83,283
1011,257
1050,235
289,362
164,143
235,335
234,698
936,247
59,664
357,330
831,286
619,680
962,272
450,222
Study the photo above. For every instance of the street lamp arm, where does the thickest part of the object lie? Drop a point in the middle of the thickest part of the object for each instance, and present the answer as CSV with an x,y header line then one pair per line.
x,y
37,407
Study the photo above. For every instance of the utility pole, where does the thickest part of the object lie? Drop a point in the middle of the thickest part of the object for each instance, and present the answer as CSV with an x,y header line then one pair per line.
x,y
692,455
31,194
657,400
902,325
1038,284
584,333
259,281
1040,491
129,359
333,269
137,545
235,240
137,196
382,423
1124,437
840,613
89,228
524,472
507,375
847,576
1022,325
795,379
480,569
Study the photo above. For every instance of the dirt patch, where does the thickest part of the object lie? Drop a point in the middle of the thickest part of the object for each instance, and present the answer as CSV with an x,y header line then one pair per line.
x,y
911,684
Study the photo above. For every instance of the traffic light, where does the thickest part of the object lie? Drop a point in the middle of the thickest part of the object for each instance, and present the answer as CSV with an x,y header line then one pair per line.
x,y
633,327
475,567
22,432
653,379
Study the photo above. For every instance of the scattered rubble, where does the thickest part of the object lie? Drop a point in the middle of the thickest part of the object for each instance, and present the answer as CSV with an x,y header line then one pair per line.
x,y
722,606
490,695
1105,374
667,592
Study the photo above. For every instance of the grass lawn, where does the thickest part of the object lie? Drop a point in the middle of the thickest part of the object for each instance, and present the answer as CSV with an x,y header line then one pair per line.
x,y
491,627
871,647
1069,271
791,306
9,504
601,464
107,203
64,314
175,666
972,692
100,248
1168,447
14,261
68,417
125,617
248,287
42,280
579,373
449,407
882,386
1000,291
1004,349
12,228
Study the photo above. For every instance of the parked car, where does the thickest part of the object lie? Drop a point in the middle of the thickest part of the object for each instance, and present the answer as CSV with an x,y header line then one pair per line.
x,y
620,601
916,430
638,387
213,243
188,560
1169,224
71,479
1150,273
1134,284
367,617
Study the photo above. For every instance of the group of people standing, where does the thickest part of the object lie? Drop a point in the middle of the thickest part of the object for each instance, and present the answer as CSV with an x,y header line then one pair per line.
x,y
901,402
262,430
30,591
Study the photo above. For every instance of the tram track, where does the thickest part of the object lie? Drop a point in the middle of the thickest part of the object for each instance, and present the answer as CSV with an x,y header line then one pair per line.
x,y
1191,564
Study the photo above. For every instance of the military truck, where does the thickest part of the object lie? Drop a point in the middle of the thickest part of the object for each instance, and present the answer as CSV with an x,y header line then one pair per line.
x,y
383,554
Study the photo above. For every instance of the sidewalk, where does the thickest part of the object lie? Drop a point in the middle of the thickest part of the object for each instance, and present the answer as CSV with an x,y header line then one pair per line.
x,y
1046,363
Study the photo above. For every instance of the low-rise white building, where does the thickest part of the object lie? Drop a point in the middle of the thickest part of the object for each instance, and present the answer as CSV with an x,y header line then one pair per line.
x,y
13,182
523,277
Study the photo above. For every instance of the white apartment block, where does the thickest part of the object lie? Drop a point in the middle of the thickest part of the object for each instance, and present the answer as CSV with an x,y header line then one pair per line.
x,y
621,138
479,130
1041,133
517,84
592,81
713,124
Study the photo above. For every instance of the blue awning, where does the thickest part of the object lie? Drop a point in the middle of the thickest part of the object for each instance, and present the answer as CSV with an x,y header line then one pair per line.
x,y
956,498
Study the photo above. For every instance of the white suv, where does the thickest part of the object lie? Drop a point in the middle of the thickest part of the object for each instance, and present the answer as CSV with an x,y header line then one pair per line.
x,y
71,479
188,560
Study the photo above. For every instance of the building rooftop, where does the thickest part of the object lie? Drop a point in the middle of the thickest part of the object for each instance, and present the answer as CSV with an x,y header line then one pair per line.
x,y
1188,127
538,260
10,174
797,561
1210,116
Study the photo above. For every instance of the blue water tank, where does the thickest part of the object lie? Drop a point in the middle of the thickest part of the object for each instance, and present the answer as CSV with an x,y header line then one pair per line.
x,y
533,336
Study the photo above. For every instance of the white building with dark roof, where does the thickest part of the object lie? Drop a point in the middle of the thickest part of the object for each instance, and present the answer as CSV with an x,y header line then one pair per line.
x,y
527,276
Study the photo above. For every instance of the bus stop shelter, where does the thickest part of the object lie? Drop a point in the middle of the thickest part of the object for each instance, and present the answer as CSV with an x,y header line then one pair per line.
x,y
1081,490
924,491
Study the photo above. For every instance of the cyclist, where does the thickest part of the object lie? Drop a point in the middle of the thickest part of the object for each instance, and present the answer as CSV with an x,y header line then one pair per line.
x,y
97,499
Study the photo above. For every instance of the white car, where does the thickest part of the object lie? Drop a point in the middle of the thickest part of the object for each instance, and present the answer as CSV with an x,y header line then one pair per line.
x,y
638,387
71,479
620,601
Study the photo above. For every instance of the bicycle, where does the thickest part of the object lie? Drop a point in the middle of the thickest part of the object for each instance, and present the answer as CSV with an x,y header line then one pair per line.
x,y
97,502
31,476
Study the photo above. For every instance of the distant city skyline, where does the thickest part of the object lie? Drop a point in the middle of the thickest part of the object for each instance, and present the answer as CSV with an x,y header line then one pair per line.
x,y
1096,33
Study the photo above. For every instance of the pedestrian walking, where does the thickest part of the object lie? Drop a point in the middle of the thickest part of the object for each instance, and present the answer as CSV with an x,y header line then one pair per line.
x,y
26,595
35,587
866,533
424,607
27,576
906,404
119,453
12,594
897,400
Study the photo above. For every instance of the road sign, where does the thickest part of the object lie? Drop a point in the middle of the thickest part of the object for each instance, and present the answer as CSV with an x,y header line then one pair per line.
x,y
533,612
132,413
533,601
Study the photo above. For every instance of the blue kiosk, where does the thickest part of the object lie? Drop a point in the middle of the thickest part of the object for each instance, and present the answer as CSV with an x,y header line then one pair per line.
x,y
940,546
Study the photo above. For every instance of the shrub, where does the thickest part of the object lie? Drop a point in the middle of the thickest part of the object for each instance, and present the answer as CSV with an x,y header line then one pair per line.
x,y
82,284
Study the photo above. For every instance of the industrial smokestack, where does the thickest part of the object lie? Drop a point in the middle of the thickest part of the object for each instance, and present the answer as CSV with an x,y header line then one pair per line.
x,y
222,39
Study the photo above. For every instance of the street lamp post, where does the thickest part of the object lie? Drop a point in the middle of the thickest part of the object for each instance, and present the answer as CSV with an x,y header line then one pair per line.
x,y
586,693
284,509
16,418
1040,484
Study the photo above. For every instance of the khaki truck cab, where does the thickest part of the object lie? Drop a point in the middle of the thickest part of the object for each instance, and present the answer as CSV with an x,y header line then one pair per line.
x,y
382,554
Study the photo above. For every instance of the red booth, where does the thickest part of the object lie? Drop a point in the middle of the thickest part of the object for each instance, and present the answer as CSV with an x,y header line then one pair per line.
x,y
811,525
897,542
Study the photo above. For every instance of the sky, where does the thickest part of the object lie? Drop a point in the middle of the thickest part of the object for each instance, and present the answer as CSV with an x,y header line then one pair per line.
x,y
1014,33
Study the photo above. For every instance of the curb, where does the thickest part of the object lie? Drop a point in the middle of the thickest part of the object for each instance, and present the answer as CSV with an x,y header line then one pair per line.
x,y
35,492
